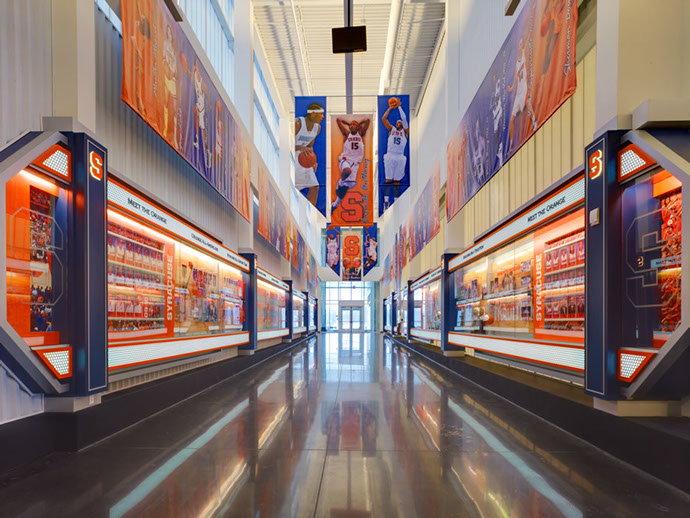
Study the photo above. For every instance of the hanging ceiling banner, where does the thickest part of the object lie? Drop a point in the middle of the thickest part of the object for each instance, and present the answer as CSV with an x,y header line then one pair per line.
x,y
310,150
370,248
352,171
394,153
274,220
352,254
332,249
164,82
532,75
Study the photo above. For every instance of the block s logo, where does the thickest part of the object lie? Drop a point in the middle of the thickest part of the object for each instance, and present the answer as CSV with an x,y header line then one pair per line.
x,y
352,246
353,207
596,165
96,165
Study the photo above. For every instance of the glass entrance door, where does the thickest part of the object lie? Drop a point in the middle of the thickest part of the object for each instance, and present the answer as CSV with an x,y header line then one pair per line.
x,y
351,318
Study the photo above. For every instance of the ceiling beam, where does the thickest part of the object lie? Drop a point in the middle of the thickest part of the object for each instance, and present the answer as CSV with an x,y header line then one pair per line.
x,y
302,47
391,44
347,5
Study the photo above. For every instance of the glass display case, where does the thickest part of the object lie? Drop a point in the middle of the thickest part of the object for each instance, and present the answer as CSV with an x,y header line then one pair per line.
x,y
532,287
387,313
402,311
299,304
312,314
426,303
158,286
271,304
36,215
172,290
652,246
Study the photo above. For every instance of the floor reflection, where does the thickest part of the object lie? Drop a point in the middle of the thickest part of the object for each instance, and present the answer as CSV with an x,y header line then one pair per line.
x,y
348,425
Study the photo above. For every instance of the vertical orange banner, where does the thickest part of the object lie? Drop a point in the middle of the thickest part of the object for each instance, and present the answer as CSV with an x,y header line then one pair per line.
x,y
169,289
352,170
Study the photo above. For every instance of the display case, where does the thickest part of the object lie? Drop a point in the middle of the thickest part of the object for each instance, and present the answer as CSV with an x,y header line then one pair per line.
x,y
299,307
387,313
313,316
401,310
652,208
169,286
426,303
271,306
37,232
524,285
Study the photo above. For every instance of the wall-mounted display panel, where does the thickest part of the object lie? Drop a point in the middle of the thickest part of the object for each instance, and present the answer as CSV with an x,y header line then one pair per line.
x,y
299,308
271,306
170,288
522,296
426,297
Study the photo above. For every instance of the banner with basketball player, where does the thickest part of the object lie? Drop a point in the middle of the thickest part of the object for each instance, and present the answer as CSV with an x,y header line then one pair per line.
x,y
164,82
332,249
387,270
394,153
370,248
532,75
425,218
352,254
352,170
274,219
310,150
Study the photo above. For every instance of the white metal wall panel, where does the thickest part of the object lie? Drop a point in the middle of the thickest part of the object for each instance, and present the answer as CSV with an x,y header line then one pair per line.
x,y
15,401
26,94
141,156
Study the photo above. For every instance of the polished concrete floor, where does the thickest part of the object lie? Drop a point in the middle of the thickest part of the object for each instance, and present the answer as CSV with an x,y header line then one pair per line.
x,y
348,426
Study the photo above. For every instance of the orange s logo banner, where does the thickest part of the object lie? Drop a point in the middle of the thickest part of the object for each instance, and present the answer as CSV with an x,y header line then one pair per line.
x,y
352,170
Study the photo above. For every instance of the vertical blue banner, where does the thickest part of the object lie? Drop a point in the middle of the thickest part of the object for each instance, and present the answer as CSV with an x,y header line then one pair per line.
x,y
310,150
370,248
332,249
394,150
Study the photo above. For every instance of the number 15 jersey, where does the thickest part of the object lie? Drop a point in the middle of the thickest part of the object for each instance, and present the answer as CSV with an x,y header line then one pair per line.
x,y
353,148
396,142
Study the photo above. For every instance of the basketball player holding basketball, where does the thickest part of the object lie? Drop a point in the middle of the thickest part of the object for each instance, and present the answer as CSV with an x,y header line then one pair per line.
x,y
307,128
351,157
394,160
523,99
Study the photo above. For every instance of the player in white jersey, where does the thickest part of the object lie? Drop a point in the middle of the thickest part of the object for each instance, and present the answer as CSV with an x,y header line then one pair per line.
x,y
522,100
331,251
371,253
351,157
307,128
394,160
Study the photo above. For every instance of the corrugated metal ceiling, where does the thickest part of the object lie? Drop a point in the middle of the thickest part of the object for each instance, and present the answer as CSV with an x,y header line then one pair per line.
x,y
296,35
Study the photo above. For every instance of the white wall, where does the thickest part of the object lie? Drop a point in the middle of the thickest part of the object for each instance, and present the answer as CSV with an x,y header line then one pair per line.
x,y
25,61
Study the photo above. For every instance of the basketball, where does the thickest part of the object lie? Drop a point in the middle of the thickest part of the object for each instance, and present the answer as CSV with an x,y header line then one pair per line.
x,y
307,158
346,262
393,102
487,319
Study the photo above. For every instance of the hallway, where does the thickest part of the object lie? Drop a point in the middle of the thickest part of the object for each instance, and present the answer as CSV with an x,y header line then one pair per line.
x,y
348,425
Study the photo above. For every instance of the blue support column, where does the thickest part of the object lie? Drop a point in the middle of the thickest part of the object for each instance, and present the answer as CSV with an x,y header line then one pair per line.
x,y
410,311
88,289
307,309
288,309
602,266
394,313
251,305
448,308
